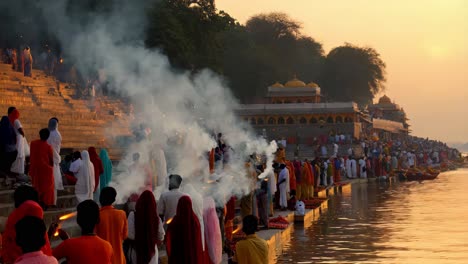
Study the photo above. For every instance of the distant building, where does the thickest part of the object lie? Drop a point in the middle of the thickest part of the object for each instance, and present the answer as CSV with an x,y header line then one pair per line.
x,y
388,118
296,111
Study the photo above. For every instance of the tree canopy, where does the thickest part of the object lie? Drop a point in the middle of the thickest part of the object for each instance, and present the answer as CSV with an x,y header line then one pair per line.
x,y
353,73
195,35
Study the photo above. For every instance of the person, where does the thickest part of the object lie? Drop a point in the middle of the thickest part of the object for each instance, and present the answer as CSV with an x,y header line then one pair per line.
x,y
297,172
88,248
112,226
21,145
353,168
145,229
84,178
271,190
8,150
74,168
183,239
168,200
14,60
41,169
55,141
26,201
30,236
27,62
362,166
337,170
308,181
283,186
98,169
349,171
213,242
252,250
105,177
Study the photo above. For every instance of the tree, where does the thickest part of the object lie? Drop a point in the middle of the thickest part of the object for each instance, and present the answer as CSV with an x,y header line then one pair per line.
x,y
352,73
188,34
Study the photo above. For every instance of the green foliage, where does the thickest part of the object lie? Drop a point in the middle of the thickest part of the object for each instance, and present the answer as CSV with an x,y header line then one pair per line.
x,y
352,73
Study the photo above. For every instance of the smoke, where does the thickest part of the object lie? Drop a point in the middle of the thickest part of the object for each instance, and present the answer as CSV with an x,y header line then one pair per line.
x,y
182,110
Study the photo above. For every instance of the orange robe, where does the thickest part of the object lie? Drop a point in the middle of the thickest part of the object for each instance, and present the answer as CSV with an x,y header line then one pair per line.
x,y
113,228
42,170
10,251
212,161
292,175
308,181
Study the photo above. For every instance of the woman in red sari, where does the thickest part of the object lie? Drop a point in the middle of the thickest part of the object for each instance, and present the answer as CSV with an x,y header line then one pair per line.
x,y
183,239
97,163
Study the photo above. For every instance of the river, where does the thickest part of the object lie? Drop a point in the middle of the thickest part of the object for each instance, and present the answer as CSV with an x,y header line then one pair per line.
x,y
407,222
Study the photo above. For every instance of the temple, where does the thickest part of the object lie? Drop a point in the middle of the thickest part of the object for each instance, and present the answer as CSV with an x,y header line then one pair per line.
x,y
296,111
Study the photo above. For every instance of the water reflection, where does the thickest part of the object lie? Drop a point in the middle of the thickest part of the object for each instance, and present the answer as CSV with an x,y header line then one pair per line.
x,y
381,223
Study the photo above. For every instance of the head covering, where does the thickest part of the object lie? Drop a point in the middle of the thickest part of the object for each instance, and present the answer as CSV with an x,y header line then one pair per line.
x,y
97,164
53,124
13,116
7,133
87,171
105,177
212,231
10,250
146,227
183,238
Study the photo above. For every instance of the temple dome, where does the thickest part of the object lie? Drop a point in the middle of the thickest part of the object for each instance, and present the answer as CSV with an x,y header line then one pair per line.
x,y
385,100
312,85
277,85
295,83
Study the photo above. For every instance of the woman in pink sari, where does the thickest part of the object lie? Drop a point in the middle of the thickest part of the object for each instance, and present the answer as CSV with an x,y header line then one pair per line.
x,y
213,244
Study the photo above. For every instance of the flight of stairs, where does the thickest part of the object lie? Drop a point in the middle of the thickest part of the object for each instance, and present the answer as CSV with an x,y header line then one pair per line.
x,y
41,97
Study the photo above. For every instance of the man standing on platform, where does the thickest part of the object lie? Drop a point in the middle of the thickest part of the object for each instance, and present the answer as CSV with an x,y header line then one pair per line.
x,y
283,184
42,168
252,250
113,224
167,205
55,141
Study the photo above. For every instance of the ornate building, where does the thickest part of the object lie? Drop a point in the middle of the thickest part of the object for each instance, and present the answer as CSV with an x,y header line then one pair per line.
x,y
388,118
295,111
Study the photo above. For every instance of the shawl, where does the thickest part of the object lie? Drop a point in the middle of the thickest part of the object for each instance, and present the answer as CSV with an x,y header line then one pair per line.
x,y
106,177
97,164
184,245
212,231
146,227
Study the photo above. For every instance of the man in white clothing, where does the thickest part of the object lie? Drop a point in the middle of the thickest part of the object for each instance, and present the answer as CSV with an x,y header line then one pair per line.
x,y
167,205
283,184
55,141
335,149
362,166
349,172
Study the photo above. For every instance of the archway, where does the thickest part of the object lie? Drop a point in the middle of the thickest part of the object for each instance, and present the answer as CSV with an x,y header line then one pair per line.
x,y
281,121
290,121
330,120
271,121
302,120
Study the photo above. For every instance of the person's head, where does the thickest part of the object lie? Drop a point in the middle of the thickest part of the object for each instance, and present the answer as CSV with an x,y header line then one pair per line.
x,y
10,109
68,158
56,119
25,193
136,157
30,234
249,225
184,206
282,166
107,196
53,124
293,192
174,181
76,155
44,134
146,201
87,216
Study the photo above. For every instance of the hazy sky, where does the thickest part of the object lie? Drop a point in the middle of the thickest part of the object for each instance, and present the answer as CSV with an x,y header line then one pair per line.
x,y
423,42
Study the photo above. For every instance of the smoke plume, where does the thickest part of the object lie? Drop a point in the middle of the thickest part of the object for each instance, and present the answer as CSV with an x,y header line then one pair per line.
x,y
182,110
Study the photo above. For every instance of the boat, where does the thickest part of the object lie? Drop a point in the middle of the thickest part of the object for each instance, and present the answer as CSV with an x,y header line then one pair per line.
x,y
419,175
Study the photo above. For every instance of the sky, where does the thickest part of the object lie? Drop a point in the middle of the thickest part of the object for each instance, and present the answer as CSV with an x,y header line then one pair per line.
x,y
423,42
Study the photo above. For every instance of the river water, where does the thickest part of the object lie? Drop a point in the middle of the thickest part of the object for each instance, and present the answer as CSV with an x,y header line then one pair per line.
x,y
407,222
